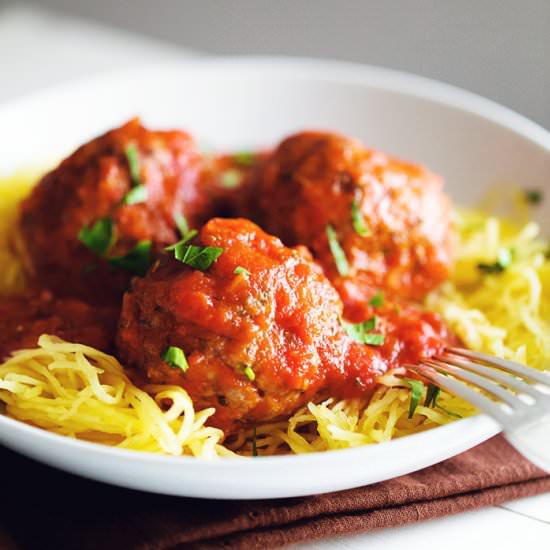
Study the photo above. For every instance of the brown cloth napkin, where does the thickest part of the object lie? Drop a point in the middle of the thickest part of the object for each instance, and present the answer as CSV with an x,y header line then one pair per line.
x,y
45,508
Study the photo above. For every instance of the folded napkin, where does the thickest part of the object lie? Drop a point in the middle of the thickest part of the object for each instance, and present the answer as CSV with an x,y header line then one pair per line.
x,y
45,508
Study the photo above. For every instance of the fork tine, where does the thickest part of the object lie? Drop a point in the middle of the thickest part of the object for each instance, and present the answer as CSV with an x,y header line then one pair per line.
x,y
460,389
509,380
479,381
509,366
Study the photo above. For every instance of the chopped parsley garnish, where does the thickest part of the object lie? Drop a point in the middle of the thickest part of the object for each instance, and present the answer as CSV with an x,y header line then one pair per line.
x,y
132,157
250,374
374,339
137,260
254,442
504,259
183,228
181,223
370,324
432,393
358,220
361,332
239,270
377,300
230,178
138,192
199,257
337,252
136,195
99,238
534,196
417,389
244,158
175,357
357,331
190,235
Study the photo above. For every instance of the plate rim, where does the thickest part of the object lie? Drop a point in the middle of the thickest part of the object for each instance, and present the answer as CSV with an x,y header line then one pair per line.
x,y
486,425
395,80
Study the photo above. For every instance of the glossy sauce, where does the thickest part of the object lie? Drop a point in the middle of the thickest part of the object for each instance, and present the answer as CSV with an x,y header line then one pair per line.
x,y
91,184
283,318
24,318
316,179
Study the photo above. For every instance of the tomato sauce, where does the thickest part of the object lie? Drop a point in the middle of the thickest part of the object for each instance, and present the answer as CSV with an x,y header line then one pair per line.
x,y
281,319
265,328
24,318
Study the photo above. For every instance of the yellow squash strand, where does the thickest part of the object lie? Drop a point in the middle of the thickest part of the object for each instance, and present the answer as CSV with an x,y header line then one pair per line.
x,y
75,390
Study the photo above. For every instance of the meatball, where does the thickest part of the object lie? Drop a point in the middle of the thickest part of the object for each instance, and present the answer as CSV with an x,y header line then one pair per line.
x,y
226,179
24,318
261,329
390,218
115,197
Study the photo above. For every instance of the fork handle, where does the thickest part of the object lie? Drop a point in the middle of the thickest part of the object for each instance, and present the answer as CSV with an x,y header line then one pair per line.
x,y
533,441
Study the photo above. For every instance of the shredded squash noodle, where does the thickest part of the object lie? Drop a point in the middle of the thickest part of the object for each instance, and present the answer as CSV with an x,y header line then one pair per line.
x,y
80,392
507,313
332,424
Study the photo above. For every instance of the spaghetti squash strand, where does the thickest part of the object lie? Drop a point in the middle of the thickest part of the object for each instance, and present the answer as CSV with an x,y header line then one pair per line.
x,y
105,407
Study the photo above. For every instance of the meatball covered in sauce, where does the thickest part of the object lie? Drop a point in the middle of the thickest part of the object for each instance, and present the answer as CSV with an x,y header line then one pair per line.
x,y
95,220
253,329
370,220
24,318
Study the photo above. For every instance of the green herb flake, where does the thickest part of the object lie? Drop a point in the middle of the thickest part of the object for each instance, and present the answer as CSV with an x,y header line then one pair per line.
x,y
504,259
100,237
354,331
230,178
190,235
417,389
534,197
239,270
370,324
358,220
432,393
377,300
250,374
198,257
337,252
132,157
181,223
360,332
254,442
183,227
136,195
175,357
374,339
244,158
136,261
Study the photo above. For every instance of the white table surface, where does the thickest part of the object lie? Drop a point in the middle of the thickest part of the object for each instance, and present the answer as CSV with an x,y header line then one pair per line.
x,y
38,49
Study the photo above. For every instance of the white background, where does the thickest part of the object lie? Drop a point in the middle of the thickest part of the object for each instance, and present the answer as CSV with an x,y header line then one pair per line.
x,y
38,48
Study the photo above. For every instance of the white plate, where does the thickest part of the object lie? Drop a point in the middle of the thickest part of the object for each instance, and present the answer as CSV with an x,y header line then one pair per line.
x,y
240,103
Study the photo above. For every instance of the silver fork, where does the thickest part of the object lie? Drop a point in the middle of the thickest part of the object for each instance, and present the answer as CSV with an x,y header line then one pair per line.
x,y
520,396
